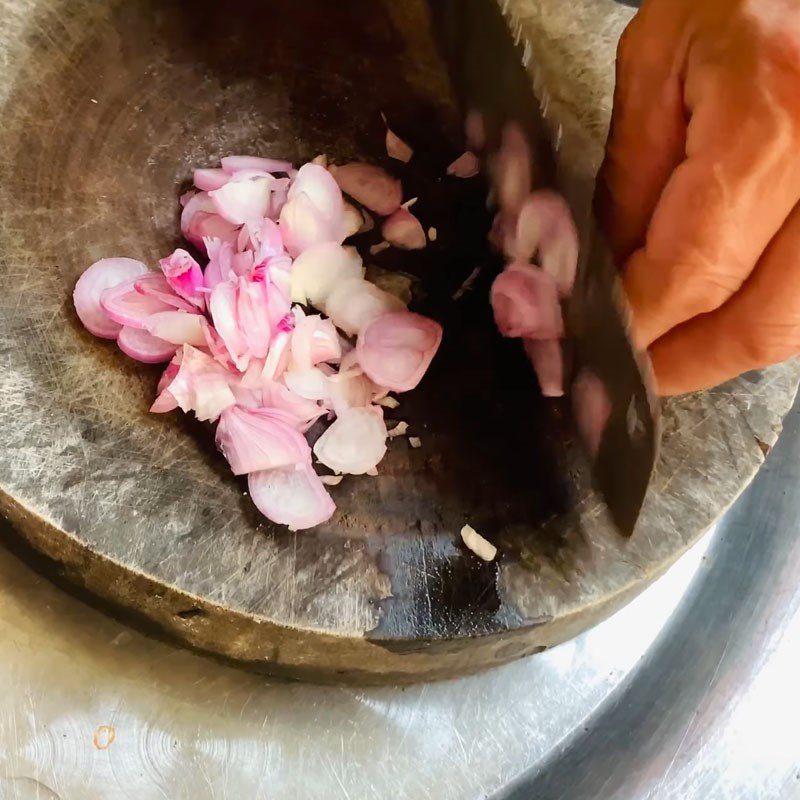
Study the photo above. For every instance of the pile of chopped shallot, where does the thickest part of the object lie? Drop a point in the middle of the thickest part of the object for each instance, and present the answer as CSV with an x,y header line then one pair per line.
x,y
245,350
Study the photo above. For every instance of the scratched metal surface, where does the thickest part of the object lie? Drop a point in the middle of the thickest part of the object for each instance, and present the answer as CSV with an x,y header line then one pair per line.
x,y
137,509
688,693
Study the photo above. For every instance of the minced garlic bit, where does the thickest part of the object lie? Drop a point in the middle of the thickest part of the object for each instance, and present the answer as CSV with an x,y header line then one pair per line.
x,y
398,430
415,441
474,541
377,248
331,480
432,234
388,402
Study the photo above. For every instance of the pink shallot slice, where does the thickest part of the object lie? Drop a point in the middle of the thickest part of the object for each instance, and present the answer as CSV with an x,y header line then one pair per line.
x,y
303,225
278,356
545,226
216,346
302,411
513,170
220,263
207,180
355,443
252,316
353,220
403,230
245,198
143,346
185,276
312,383
465,166
258,439
525,303
321,188
351,388
475,129
320,269
165,402
223,307
314,341
397,148
291,496
177,327
199,220
356,302
100,276
201,385
396,349
125,305
154,284
548,363
370,186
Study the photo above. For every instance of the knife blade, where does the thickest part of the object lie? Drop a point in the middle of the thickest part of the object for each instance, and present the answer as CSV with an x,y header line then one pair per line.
x,y
614,404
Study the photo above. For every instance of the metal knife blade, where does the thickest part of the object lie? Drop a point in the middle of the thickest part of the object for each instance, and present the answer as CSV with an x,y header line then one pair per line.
x,y
493,71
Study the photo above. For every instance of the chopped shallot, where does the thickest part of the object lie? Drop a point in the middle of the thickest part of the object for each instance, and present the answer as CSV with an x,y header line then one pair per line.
x,y
304,225
177,327
101,276
209,179
245,198
291,496
545,225
548,363
355,443
396,148
396,349
482,548
241,355
126,306
525,303
145,347
403,229
260,438
201,385
465,166
399,430
355,303
184,276
513,178
320,269
415,442
370,186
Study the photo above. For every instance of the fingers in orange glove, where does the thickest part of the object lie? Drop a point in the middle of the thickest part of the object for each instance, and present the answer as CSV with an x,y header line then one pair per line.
x,y
758,326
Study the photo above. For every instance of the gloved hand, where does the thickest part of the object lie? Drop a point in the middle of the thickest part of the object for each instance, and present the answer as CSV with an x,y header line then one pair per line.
x,y
700,186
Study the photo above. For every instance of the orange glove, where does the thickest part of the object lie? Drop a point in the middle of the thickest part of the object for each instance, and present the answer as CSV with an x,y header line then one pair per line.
x,y
700,186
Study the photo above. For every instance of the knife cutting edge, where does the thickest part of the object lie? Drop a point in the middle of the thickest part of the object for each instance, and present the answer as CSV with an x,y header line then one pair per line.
x,y
613,399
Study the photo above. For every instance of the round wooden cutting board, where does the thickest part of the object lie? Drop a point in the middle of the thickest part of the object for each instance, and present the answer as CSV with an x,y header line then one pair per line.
x,y
106,106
